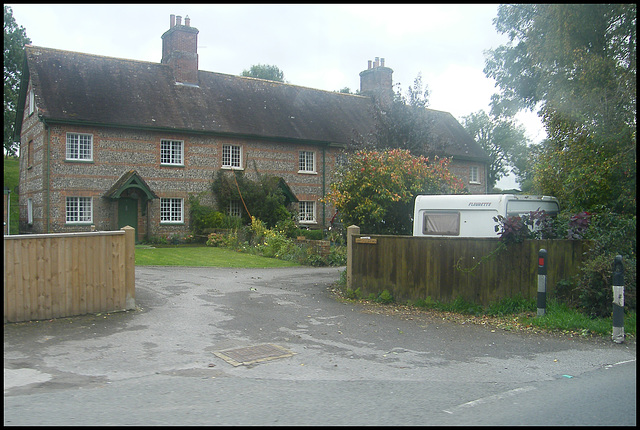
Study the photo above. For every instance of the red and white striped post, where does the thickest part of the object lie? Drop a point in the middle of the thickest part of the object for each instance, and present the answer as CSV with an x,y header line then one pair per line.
x,y
542,282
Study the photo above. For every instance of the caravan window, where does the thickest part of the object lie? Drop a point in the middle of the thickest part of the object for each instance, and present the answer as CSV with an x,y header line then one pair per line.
x,y
522,207
441,223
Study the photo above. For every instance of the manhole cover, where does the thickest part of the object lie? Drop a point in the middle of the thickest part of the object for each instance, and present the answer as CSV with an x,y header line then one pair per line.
x,y
253,354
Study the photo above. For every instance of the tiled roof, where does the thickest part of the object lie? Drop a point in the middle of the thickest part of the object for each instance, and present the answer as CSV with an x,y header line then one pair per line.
x,y
71,86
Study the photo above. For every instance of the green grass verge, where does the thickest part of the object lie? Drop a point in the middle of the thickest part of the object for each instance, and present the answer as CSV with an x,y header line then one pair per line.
x,y
203,256
515,312
559,316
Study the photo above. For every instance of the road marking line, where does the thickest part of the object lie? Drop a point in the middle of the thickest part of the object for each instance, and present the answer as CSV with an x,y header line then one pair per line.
x,y
498,396
609,366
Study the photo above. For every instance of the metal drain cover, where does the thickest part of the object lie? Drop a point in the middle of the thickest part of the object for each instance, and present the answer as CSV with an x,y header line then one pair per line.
x,y
253,354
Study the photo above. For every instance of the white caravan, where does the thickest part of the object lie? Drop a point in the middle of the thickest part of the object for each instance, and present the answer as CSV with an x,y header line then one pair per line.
x,y
471,215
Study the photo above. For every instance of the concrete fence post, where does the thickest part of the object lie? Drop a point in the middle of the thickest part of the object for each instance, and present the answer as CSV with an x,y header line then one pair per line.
x,y
542,282
130,267
618,300
352,230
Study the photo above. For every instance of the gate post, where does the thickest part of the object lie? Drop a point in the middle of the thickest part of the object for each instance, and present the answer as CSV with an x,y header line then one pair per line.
x,y
129,267
542,282
352,230
618,300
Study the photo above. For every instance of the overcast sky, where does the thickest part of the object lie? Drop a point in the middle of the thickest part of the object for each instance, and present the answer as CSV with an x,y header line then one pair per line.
x,y
322,46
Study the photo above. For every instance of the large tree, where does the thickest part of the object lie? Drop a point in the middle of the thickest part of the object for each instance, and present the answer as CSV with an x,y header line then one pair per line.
x,y
402,122
504,141
264,71
15,37
576,64
376,189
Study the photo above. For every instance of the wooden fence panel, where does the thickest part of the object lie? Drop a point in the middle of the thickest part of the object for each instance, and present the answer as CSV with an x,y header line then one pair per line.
x,y
66,274
444,269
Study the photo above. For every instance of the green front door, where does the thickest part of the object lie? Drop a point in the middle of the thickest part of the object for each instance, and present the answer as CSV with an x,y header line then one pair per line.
x,y
128,214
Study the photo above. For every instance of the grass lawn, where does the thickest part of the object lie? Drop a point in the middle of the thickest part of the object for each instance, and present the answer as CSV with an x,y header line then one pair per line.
x,y
203,256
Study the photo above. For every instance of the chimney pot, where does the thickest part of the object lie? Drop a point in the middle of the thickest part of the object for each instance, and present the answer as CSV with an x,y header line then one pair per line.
x,y
369,64
187,21
382,62
178,20
172,21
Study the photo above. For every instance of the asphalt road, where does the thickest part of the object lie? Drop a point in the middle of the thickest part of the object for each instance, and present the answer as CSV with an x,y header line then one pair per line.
x,y
350,365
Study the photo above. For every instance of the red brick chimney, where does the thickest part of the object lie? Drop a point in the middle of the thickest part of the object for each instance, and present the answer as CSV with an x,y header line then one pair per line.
x,y
376,81
179,50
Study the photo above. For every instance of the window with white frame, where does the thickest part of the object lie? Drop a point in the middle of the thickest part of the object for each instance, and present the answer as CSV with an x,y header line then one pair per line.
x,y
474,177
306,162
234,208
171,152
171,210
30,211
32,102
306,212
232,156
79,210
79,146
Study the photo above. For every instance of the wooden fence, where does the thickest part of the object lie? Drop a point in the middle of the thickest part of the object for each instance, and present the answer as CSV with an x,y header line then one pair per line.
x,y
65,274
444,269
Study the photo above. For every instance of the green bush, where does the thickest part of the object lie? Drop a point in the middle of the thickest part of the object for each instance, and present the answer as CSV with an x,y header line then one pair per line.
x,y
385,297
310,234
611,235
204,217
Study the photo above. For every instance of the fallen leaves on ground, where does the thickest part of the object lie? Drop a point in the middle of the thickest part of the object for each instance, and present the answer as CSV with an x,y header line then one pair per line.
x,y
506,323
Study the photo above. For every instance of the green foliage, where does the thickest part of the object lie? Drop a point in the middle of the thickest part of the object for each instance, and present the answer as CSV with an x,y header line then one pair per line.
x,y
15,37
577,65
309,234
511,305
385,297
204,217
264,71
274,243
611,235
404,123
11,176
460,305
561,317
264,199
504,142
216,239
376,190
534,225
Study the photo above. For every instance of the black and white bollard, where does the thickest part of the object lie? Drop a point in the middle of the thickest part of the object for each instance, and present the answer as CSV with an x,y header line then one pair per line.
x,y
542,282
618,300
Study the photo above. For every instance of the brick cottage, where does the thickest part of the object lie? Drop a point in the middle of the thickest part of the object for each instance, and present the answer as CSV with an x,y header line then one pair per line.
x,y
108,142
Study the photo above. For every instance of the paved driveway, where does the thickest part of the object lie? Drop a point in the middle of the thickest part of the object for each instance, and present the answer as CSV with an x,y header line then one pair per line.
x,y
171,361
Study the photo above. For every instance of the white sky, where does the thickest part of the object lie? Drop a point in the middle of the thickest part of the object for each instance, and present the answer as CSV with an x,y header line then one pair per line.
x,y
322,46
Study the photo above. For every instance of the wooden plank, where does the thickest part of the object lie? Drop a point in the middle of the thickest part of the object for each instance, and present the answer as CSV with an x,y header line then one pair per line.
x,y
67,275
31,280
109,267
10,280
56,290
81,244
101,268
75,278
90,271
44,264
